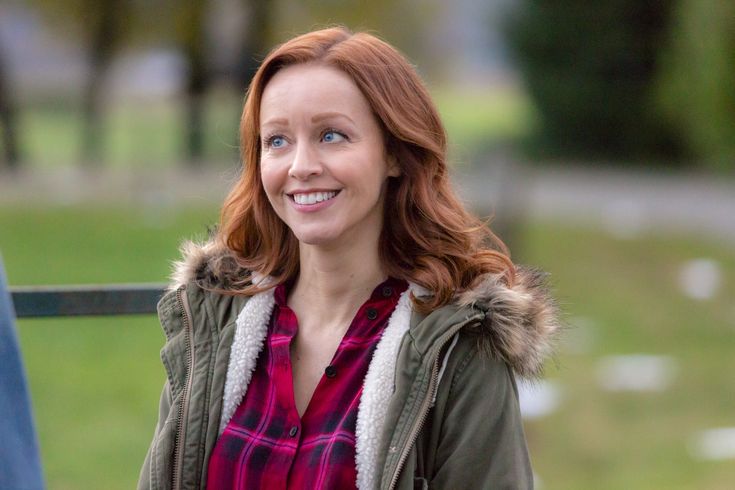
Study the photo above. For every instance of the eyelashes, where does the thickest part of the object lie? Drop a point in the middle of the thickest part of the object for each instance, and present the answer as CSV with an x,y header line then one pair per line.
x,y
332,135
328,135
274,141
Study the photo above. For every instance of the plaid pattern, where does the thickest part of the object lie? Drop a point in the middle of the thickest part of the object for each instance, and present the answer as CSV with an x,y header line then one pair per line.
x,y
265,445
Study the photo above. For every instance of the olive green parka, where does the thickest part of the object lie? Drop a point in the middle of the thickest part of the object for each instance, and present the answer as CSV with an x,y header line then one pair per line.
x,y
439,407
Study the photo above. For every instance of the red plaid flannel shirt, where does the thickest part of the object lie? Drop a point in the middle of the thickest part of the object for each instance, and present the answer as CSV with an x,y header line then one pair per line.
x,y
266,445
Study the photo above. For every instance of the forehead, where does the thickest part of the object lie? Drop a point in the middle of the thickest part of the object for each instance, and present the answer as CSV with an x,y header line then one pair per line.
x,y
309,89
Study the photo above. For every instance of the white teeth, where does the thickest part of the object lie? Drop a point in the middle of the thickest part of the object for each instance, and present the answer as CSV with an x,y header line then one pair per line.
x,y
313,197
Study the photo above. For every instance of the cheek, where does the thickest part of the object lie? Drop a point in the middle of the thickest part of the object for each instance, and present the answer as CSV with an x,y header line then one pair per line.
x,y
269,180
271,200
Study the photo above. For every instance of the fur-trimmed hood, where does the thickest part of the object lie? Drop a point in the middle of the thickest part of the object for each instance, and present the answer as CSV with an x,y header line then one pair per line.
x,y
522,321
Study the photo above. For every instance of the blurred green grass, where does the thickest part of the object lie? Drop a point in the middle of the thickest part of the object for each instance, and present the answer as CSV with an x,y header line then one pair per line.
x,y
95,382
625,296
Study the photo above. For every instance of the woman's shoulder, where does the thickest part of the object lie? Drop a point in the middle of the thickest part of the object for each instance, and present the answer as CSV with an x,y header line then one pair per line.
x,y
203,285
208,265
518,325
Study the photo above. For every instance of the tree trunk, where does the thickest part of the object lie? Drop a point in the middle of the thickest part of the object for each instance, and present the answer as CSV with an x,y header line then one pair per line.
x,y
195,94
254,41
192,37
104,33
8,124
253,49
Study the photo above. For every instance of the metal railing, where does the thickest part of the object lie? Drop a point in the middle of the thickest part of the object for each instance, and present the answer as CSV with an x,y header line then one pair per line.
x,y
87,300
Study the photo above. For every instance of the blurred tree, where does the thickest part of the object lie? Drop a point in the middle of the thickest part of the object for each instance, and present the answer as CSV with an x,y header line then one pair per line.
x,y
697,86
396,20
590,69
8,122
255,41
189,20
185,24
102,24
105,24
190,33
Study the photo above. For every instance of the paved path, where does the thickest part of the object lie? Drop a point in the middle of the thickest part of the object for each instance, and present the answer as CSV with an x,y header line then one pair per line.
x,y
624,201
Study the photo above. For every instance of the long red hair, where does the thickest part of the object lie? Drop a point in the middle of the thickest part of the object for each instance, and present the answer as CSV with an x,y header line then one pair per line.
x,y
428,237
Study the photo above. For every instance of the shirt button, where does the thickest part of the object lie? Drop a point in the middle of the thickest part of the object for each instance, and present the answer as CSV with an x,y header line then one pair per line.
x,y
330,371
294,430
387,291
372,313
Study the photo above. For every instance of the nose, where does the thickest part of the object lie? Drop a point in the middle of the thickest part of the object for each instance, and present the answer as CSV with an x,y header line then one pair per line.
x,y
305,163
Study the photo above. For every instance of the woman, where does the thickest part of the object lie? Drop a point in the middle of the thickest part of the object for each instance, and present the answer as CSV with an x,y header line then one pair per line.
x,y
350,324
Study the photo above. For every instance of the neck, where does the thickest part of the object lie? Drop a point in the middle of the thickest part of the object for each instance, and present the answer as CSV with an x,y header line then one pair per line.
x,y
333,284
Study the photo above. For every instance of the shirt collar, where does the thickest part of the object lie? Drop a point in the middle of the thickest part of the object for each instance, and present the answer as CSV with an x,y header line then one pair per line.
x,y
390,288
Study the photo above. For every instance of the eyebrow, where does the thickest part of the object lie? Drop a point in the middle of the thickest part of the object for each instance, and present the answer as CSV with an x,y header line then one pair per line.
x,y
279,121
329,115
282,121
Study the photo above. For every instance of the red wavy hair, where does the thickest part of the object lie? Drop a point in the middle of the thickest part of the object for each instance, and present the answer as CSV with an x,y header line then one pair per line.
x,y
428,237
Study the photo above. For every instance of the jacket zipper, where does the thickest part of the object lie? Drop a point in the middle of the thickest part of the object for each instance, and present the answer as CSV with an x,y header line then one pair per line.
x,y
413,435
184,406
425,407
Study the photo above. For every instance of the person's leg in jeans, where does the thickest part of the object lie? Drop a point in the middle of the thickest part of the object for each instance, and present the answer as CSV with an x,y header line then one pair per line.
x,y
20,466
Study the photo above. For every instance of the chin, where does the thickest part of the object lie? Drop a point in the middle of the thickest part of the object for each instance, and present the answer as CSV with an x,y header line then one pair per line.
x,y
315,238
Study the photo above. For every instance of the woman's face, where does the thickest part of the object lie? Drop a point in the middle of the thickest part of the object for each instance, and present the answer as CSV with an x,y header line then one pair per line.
x,y
323,162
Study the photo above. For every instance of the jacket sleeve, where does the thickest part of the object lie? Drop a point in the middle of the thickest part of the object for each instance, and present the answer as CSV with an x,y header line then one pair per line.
x,y
481,443
148,473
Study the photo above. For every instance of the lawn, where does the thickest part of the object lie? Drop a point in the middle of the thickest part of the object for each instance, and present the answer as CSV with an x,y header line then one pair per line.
x,y
95,381
622,298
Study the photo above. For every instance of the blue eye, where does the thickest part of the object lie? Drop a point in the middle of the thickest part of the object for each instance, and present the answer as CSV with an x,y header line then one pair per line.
x,y
275,142
332,136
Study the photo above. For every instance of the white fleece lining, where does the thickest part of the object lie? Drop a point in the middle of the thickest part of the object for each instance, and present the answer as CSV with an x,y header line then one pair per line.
x,y
252,329
378,388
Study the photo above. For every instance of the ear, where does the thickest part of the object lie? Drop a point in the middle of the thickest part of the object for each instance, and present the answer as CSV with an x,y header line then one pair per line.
x,y
394,170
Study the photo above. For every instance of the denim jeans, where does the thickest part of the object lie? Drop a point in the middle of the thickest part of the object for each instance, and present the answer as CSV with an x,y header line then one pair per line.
x,y
20,465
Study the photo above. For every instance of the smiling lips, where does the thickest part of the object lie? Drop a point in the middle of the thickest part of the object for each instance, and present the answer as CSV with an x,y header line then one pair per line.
x,y
309,198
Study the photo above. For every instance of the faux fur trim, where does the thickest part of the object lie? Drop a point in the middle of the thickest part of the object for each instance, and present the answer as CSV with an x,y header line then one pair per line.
x,y
209,264
521,322
376,391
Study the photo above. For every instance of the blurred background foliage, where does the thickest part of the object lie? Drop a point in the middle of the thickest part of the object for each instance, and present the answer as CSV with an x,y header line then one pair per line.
x,y
625,79
618,80
696,83
601,135
591,68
